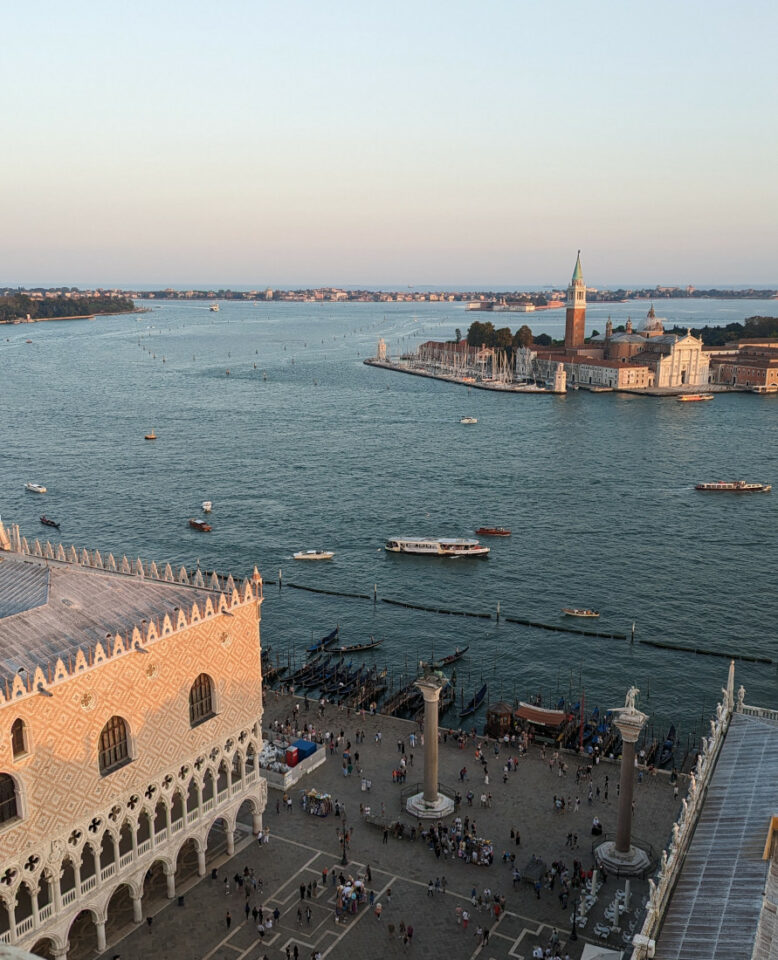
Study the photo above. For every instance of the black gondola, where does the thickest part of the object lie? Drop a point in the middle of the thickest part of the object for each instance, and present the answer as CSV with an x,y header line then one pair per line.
x,y
452,657
357,647
49,523
324,642
666,753
475,703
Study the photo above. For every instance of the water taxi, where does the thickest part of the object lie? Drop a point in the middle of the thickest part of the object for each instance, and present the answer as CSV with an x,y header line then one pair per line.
x,y
214,308
207,506
735,486
493,532
200,525
579,612
314,555
35,487
694,397
468,419
150,436
442,547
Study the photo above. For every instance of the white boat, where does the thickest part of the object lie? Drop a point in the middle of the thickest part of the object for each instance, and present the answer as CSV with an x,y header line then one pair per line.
x,y
314,555
207,506
580,612
442,547
214,308
34,488
468,420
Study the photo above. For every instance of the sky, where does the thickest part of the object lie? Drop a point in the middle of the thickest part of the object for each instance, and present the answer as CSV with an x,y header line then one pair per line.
x,y
163,142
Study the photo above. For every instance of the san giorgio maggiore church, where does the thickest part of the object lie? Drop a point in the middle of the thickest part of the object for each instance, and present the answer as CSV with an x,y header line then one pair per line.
x,y
130,709
639,358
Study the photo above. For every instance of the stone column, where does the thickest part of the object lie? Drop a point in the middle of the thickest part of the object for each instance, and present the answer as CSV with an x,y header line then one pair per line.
x,y
61,954
170,879
230,841
201,863
621,855
100,927
137,910
430,803
256,823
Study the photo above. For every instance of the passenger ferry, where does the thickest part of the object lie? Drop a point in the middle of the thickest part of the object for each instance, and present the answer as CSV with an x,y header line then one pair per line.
x,y
735,486
442,547
694,397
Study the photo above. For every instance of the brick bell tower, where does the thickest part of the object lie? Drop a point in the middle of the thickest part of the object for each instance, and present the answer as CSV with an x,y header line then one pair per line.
x,y
575,317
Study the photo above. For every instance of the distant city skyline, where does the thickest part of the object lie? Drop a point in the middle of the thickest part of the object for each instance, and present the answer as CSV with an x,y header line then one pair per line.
x,y
437,145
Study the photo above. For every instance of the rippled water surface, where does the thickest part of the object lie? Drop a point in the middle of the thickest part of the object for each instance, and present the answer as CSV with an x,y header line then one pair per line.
x,y
597,489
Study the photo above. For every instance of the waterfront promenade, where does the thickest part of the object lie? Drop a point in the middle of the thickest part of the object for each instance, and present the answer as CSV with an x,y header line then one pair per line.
x,y
301,846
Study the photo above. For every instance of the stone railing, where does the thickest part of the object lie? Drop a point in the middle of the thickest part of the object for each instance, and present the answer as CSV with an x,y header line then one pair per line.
x,y
672,859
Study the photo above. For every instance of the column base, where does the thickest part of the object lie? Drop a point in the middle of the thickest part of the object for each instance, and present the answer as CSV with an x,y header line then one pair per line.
x,y
629,864
418,807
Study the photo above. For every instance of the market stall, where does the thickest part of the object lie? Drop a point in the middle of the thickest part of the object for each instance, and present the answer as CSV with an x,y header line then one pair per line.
x,y
476,850
315,803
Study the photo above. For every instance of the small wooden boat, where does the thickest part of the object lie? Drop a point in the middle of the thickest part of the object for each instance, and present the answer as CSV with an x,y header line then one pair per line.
x,y
35,487
493,532
314,555
358,647
579,612
453,657
200,525
49,523
150,436
666,753
475,703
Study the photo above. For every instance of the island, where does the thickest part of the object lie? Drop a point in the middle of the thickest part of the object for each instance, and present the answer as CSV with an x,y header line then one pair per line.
x,y
21,308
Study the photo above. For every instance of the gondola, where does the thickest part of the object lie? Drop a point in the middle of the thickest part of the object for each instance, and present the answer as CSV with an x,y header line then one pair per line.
x,y
358,647
475,703
453,657
49,523
324,642
666,753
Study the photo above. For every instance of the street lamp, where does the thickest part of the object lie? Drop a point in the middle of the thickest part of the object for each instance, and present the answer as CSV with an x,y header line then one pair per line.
x,y
343,837
574,932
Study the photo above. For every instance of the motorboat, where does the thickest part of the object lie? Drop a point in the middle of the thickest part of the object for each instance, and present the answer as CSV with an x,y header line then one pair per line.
x,y
214,308
207,506
443,547
150,436
200,525
735,486
35,487
493,532
580,612
314,555
468,419
694,397
49,523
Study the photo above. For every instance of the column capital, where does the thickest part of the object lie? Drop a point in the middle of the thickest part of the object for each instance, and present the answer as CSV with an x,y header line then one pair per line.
x,y
430,685
630,722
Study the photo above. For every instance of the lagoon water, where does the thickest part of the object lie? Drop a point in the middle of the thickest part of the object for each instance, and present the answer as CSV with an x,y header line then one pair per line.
x,y
326,452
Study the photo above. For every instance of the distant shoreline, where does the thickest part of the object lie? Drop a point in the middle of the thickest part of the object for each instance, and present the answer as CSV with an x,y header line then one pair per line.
x,y
84,316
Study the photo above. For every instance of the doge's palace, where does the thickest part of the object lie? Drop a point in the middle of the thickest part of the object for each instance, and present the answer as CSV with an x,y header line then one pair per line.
x,y
130,719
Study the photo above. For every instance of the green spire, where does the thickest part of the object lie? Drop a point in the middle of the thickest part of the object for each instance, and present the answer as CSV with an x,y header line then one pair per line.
x,y
578,273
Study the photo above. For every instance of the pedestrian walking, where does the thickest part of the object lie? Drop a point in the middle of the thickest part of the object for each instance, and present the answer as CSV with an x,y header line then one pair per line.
x,y
228,919
226,887
465,920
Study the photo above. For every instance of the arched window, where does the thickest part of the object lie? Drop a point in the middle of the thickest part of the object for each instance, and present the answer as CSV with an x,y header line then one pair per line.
x,y
8,806
201,700
18,738
114,745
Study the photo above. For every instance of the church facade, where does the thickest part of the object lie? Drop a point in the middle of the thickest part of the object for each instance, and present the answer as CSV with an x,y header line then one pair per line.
x,y
128,756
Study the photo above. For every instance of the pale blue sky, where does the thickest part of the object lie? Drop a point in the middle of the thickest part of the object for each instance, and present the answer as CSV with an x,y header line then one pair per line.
x,y
447,142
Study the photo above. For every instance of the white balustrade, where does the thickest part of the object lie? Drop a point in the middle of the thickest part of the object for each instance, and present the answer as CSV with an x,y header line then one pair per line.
x,y
144,847
108,871
89,884
125,860
68,897
5,936
177,825
24,926
223,795
251,776
160,837
45,912
191,816
208,804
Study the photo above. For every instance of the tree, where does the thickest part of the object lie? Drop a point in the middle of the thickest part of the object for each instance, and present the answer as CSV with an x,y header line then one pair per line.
x,y
481,334
523,337
543,340
458,335
503,338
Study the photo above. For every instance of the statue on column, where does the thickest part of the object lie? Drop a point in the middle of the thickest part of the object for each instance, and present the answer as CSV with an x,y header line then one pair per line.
x,y
629,703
